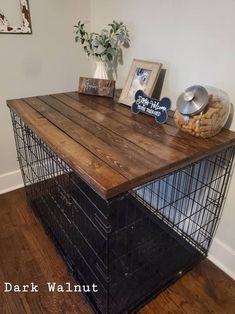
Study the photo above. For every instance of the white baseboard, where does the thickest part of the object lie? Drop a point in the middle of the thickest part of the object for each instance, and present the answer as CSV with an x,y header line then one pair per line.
x,y
222,256
10,181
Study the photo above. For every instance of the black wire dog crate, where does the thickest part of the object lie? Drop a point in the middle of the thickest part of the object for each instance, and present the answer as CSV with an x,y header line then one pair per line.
x,y
132,246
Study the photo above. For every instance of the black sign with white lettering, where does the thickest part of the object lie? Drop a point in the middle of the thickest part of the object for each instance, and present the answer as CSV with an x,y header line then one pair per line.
x,y
153,107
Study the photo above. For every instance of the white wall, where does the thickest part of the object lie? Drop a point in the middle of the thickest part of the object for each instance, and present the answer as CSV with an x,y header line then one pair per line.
x,y
47,61
195,42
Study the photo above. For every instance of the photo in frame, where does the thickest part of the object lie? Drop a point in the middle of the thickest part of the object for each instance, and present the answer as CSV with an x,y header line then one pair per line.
x,y
24,26
143,76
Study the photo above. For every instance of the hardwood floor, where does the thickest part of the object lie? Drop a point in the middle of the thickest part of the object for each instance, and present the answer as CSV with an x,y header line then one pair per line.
x,y
28,255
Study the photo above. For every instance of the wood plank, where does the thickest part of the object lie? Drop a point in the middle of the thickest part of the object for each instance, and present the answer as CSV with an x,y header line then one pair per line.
x,y
93,170
28,255
158,145
136,133
97,129
132,150
129,165
166,130
170,134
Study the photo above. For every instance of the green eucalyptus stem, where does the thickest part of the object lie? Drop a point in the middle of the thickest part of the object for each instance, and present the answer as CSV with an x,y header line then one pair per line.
x,y
103,46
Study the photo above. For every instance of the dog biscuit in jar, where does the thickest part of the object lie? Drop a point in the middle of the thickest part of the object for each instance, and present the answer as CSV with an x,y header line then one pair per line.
x,y
202,111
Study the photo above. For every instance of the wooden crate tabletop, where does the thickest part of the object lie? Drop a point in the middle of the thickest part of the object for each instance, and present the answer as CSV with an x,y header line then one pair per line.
x,y
112,149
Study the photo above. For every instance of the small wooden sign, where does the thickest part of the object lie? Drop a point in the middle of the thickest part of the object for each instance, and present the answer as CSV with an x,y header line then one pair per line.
x,y
98,87
153,107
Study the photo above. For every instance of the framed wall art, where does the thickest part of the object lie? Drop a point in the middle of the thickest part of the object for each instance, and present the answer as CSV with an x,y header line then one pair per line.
x,y
24,27
143,76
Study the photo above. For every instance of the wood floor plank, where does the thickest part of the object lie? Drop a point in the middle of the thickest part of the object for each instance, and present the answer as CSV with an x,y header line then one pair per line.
x,y
28,239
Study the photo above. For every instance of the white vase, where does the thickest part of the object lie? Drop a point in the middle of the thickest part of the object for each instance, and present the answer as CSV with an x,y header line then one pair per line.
x,y
101,70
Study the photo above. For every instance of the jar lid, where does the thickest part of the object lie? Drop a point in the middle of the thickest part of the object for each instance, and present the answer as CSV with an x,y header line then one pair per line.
x,y
193,100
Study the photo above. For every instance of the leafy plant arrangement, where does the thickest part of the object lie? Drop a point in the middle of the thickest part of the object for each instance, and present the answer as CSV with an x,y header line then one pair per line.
x,y
103,46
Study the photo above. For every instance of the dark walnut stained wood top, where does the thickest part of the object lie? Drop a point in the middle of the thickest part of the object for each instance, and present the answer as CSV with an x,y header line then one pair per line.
x,y
112,149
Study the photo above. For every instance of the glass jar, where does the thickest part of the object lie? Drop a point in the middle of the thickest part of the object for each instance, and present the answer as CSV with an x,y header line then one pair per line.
x,y
202,111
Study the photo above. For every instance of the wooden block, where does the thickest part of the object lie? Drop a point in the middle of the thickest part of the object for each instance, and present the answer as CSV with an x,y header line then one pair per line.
x,y
98,87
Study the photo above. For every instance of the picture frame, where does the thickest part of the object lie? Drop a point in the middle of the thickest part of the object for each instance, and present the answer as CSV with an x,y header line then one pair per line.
x,y
143,75
24,28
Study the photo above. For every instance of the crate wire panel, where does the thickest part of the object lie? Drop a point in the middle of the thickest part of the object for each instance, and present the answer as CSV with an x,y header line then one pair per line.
x,y
132,246
189,200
